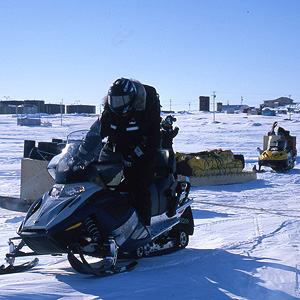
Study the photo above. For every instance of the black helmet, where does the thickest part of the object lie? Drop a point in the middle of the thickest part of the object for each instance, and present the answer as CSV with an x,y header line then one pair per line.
x,y
121,96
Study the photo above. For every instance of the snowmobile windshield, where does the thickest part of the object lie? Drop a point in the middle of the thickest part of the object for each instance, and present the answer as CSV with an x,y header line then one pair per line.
x,y
110,167
60,166
68,169
65,168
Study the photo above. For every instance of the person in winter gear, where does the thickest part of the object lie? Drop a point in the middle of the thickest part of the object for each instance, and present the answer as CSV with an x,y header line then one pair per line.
x,y
131,123
168,132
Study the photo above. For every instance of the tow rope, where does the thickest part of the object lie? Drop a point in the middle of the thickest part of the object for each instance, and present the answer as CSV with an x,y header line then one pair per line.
x,y
280,212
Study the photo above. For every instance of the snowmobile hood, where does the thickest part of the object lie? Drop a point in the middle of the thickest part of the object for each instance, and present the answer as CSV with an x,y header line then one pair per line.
x,y
56,205
275,155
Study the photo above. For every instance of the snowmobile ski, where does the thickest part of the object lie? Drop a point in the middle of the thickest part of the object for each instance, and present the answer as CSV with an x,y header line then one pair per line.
x,y
106,268
115,270
18,269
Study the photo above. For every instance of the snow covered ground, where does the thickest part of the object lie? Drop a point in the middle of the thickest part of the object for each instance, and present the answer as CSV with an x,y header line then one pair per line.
x,y
246,242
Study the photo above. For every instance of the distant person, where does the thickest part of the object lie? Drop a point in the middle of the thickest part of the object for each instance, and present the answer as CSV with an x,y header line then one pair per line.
x,y
168,132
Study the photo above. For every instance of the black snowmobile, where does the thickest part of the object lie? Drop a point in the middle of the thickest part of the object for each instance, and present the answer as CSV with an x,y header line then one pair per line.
x,y
87,216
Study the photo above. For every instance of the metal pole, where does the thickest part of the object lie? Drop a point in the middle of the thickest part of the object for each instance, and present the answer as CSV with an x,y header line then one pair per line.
x,y
62,100
214,97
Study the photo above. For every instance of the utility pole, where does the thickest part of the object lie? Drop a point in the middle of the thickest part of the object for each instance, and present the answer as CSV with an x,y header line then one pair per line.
x,y
189,106
170,105
62,100
214,97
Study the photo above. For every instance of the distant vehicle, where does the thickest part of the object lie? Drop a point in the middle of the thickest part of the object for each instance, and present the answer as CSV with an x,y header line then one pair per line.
x,y
279,151
268,112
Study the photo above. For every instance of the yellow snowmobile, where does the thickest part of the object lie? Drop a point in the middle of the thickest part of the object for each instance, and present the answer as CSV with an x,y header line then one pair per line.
x,y
279,150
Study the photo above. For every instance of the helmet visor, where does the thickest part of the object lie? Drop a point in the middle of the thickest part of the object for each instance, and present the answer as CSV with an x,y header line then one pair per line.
x,y
120,104
118,101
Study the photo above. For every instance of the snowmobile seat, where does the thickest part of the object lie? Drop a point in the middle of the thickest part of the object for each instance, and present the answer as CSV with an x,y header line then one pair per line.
x,y
164,179
165,163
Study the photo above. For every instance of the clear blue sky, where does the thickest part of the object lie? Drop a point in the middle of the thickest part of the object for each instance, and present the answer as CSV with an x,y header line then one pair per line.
x,y
74,49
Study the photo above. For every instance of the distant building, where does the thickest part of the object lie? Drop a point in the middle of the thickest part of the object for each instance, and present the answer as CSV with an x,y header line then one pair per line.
x,y
8,109
53,109
282,110
25,121
252,111
27,109
11,102
282,101
40,104
22,105
204,103
81,109
231,108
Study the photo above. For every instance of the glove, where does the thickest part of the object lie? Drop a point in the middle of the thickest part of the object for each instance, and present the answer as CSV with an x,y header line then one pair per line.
x,y
76,163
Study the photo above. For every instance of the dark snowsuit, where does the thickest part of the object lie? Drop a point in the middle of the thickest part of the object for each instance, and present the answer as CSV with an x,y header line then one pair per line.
x,y
139,128
167,136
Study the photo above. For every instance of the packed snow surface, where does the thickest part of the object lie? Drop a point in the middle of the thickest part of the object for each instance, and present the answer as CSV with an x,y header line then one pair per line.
x,y
246,242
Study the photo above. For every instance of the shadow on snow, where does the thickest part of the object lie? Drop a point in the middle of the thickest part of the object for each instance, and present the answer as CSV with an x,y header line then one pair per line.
x,y
187,274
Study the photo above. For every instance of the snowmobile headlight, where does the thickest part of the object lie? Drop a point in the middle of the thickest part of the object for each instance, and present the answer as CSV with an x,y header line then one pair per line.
x,y
56,191
73,191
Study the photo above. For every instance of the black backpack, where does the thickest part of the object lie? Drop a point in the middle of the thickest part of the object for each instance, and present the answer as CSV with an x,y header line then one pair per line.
x,y
152,102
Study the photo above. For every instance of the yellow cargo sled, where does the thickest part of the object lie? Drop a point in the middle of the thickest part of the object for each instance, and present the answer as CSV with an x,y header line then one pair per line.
x,y
214,167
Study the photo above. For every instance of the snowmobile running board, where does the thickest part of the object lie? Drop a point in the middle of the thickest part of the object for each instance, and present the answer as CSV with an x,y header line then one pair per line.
x,y
159,227
164,226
